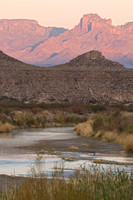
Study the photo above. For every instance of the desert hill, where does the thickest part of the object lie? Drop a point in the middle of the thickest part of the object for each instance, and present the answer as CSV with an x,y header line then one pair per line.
x,y
89,78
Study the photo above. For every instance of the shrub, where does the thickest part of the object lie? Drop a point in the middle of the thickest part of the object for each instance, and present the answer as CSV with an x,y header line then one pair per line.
x,y
129,129
130,108
96,108
30,120
78,109
18,119
74,148
128,143
72,118
5,128
84,129
113,122
59,118
98,123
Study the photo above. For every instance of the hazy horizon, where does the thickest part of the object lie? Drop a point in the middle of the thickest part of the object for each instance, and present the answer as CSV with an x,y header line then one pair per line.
x,y
66,13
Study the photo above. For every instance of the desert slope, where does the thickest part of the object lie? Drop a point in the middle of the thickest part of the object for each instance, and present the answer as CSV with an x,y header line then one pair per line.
x,y
89,78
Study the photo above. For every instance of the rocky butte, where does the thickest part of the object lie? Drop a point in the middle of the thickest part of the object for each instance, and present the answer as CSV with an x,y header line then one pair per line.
x,y
88,78
29,42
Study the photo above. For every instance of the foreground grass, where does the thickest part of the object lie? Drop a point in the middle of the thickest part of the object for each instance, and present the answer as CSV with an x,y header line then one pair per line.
x,y
90,184
110,127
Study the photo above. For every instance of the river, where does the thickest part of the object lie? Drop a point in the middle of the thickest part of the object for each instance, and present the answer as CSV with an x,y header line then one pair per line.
x,y
16,158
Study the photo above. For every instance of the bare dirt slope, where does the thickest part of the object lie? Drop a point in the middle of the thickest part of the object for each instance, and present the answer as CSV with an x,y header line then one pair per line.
x,y
89,78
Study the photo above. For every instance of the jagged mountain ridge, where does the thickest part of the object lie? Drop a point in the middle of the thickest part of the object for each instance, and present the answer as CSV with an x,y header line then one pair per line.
x,y
89,78
44,46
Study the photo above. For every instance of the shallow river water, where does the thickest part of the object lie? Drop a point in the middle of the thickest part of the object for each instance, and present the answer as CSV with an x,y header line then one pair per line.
x,y
18,161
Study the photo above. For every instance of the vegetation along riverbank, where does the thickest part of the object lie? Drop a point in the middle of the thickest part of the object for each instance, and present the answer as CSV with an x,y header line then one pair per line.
x,y
110,127
91,184
110,123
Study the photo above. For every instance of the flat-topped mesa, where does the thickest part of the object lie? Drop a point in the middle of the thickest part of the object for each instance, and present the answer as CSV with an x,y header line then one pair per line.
x,y
94,60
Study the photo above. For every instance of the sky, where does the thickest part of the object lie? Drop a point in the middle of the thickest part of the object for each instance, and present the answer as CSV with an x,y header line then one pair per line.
x,y
66,13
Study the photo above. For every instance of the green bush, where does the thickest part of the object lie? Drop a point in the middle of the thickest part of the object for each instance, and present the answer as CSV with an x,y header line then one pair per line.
x,y
72,118
130,108
113,122
18,119
59,118
29,120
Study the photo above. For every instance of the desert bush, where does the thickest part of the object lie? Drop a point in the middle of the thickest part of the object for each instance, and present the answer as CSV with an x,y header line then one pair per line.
x,y
113,122
110,127
18,119
130,108
128,143
5,127
77,108
72,118
84,129
41,119
59,118
96,108
28,119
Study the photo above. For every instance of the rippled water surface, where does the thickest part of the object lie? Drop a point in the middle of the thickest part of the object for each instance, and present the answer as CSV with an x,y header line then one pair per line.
x,y
19,162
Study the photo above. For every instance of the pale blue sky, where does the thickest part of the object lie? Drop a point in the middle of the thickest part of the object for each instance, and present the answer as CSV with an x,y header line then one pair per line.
x,y
66,13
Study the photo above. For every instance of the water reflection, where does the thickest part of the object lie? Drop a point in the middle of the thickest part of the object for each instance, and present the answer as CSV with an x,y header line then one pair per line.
x,y
19,162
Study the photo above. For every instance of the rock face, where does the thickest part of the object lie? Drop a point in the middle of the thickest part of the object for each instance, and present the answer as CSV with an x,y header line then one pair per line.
x,y
34,44
89,78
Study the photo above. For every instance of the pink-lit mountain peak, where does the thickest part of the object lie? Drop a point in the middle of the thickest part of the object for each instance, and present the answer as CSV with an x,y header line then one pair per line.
x,y
29,42
88,20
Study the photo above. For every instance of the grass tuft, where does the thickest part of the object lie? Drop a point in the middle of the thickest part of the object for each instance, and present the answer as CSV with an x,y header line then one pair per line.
x,y
74,148
5,127
128,143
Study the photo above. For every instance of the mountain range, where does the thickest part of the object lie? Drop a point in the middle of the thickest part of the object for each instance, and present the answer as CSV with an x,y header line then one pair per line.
x,y
88,78
31,43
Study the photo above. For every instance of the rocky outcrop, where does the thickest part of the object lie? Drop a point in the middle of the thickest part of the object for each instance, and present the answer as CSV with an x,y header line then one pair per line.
x,y
29,42
89,78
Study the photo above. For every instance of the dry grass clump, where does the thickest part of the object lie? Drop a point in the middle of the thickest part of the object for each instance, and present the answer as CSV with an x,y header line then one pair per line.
x,y
74,148
84,145
110,127
5,127
128,143
110,136
84,129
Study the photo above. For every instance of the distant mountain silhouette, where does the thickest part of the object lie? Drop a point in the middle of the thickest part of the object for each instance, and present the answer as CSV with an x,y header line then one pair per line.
x,y
29,42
